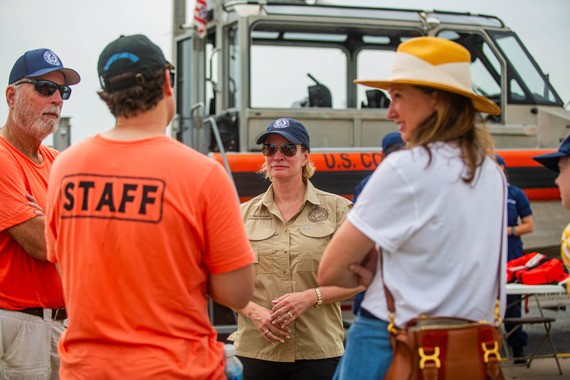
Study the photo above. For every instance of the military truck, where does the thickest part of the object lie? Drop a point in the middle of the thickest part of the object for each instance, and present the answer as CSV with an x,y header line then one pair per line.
x,y
260,60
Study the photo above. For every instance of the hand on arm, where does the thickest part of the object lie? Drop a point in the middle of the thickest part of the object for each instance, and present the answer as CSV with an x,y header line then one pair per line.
x,y
32,202
261,318
290,306
367,268
347,247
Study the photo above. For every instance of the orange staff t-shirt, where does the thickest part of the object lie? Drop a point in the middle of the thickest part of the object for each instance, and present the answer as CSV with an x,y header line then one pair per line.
x,y
136,227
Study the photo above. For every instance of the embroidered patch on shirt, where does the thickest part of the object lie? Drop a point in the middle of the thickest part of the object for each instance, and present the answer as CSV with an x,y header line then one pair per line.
x,y
318,214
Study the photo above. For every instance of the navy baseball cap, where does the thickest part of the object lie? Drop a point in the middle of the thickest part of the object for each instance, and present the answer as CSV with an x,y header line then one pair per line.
x,y
129,61
500,160
550,160
35,63
291,129
392,141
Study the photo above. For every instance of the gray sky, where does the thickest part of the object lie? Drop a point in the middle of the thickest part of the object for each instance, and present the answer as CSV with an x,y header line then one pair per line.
x,y
78,31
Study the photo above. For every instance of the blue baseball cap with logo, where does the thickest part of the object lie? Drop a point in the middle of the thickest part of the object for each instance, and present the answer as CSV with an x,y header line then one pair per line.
x,y
291,129
550,160
38,62
391,142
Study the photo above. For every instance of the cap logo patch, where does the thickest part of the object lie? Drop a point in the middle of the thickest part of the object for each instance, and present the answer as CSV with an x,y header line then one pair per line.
x,y
115,57
281,123
51,58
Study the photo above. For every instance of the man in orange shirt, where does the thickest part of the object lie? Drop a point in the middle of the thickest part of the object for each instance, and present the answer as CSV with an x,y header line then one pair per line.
x,y
143,228
31,297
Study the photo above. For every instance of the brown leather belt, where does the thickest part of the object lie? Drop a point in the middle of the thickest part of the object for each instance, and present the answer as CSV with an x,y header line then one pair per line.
x,y
56,314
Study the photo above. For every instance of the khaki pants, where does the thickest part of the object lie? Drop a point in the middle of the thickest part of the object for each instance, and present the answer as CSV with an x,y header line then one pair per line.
x,y
28,346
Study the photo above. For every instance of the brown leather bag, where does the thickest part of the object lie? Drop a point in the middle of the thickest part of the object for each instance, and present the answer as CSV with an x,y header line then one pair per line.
x,y
445,348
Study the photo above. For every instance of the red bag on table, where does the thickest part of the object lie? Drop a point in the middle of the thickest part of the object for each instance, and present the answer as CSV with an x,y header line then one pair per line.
x,y
523,264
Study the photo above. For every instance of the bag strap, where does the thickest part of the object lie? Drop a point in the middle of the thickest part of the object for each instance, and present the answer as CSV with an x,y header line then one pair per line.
x,y
390,298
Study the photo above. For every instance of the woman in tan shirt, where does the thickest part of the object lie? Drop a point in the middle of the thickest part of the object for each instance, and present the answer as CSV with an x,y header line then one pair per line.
x,y
291,329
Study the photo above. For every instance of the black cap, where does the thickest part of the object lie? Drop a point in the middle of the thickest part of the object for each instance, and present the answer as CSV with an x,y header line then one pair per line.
x,y
136,55
291,129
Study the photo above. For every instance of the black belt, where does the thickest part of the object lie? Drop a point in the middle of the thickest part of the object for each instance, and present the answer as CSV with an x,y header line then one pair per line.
x,y
56,314
365,313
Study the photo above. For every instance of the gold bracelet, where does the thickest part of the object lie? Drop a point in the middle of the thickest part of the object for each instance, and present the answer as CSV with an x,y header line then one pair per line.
x,y
319,298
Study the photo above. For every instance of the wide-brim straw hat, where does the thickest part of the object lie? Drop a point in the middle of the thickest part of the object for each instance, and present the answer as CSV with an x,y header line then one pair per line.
x,y
436,63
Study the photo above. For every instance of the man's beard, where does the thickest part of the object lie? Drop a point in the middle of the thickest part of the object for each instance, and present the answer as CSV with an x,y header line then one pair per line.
x,y
31,121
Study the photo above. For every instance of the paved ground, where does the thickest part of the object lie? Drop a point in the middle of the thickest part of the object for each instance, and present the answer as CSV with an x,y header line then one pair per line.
x,y
540,369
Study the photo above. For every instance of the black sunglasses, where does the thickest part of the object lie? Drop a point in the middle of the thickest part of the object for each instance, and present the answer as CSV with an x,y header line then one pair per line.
x,y
288,150
48,88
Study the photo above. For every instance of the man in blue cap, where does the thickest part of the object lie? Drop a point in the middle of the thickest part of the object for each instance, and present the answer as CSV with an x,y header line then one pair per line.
x,y
391,142
559,162
31,296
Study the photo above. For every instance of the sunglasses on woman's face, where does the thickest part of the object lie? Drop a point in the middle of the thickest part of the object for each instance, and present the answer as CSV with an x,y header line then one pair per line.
x,y
48,88
288,150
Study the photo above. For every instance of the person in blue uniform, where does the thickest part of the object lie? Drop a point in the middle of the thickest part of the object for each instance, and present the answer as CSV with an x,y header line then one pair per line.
x,y
519,222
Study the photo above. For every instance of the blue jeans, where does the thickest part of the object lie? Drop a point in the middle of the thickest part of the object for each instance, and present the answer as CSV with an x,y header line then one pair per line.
x,y
368,352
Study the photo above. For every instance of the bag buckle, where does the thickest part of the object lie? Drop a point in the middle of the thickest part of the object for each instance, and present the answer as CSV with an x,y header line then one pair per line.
x,y
392,326
491,351
427,358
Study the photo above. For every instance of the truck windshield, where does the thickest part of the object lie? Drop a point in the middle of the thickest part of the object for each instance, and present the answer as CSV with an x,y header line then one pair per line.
x,y
281,75
527,83
309,65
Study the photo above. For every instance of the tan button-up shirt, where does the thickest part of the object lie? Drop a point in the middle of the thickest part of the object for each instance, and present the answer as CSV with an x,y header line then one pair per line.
x,y
286,260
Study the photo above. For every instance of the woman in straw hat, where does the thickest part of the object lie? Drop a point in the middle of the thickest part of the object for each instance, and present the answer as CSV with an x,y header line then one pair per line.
x,y
435,209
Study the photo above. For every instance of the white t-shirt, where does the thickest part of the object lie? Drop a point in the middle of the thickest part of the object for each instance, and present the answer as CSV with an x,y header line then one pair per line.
x,y
440,237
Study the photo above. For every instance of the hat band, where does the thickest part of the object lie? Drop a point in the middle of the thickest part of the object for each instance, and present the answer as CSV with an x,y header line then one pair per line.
x,y
408,67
